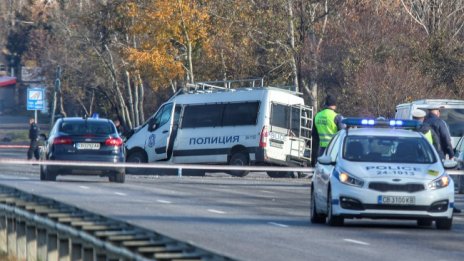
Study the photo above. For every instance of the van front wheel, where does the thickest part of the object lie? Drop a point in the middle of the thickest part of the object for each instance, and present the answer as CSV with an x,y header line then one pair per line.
x,y
239,159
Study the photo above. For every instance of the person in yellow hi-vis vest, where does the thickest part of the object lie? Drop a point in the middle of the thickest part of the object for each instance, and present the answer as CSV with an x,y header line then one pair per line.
x,y
426,129
327,123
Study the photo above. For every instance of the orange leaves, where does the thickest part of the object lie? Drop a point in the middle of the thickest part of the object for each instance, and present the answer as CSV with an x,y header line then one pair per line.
x,y
164,30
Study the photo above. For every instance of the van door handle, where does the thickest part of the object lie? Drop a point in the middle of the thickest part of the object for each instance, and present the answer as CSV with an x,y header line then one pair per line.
x,y
165,131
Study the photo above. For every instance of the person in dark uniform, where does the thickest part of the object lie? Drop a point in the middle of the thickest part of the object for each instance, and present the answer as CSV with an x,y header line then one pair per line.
x,y
33,137
441,129
119,127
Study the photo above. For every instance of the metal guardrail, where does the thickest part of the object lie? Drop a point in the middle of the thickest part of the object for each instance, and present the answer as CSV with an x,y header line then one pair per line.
x,y
37,228
179,167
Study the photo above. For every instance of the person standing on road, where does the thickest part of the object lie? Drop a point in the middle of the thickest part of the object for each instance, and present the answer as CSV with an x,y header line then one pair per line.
x,y
426,129
33,137
441,129
326,124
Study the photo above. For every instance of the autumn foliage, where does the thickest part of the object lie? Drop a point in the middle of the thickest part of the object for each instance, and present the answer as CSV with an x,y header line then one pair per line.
x,y
124,58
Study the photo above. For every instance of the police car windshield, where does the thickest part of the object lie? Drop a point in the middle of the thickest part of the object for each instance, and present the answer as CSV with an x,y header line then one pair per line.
x,y
388,149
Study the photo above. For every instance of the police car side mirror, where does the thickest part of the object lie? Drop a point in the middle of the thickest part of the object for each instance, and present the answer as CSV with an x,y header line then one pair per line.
x,y
43,136
450,164
325,160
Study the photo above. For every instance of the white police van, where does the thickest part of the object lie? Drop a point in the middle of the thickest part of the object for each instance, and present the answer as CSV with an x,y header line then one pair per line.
x,y
376,169
452,112
211,124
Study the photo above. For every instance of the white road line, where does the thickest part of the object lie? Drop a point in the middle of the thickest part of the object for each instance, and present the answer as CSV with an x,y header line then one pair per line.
x,y
84,187
164,201
266,191
458,218
216,211
356,241
120,193
277,224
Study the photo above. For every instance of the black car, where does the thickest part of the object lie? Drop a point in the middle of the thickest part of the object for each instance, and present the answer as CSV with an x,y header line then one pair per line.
x,y
459,155
83,139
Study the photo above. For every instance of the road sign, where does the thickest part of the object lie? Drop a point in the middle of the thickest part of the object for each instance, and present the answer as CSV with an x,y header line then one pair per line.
x,y
35,99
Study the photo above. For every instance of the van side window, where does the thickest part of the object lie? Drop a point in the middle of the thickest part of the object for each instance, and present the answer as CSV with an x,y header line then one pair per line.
x,y
236,114
208,115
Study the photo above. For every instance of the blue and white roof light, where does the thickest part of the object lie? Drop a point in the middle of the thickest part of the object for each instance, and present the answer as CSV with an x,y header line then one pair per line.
x,y
392,123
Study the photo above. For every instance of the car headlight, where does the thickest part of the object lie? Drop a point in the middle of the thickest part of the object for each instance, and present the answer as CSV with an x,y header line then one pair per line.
x,y
441,182
348,179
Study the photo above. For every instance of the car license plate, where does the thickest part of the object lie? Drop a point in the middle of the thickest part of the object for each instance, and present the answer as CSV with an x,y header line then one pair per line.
x,y
396,200
88,146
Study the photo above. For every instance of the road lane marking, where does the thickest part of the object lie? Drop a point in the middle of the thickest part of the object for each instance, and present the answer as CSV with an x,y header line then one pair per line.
x,y
459,218
277,224
120,193
84,187
266,191
216,211
164,201
356,242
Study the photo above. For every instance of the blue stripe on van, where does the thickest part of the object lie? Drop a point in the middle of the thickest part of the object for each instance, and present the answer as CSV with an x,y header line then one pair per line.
x,y
204,152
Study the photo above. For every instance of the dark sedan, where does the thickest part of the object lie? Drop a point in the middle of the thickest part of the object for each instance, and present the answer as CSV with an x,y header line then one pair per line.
x,y
83,139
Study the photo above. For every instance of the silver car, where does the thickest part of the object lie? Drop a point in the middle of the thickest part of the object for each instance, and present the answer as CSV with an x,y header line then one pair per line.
x,y
378,169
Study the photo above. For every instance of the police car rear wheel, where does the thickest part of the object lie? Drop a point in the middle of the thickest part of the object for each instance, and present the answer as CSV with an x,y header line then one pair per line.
x,y
331,219
239,159
316,218
444,224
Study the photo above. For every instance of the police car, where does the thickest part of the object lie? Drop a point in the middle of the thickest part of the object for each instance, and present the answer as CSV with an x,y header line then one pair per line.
x,y
381,169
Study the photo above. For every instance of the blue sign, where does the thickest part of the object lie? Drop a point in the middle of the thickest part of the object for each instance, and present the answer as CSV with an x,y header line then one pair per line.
x,y
35,99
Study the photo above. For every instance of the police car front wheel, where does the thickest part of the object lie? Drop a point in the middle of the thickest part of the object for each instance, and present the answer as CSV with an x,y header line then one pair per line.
x,y
444,224
332,220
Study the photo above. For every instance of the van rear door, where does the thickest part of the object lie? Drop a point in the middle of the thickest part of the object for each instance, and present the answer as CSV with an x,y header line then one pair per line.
x,y
289,133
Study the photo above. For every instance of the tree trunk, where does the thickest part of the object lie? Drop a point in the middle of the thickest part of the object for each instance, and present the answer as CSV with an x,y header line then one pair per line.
x,y
129,96
141,97
291,36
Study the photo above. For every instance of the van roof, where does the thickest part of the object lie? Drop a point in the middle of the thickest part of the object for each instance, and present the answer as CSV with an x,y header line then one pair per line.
x,y
236,94
435,102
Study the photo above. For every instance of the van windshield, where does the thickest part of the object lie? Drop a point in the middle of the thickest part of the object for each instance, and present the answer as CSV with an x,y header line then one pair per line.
x,y
455,120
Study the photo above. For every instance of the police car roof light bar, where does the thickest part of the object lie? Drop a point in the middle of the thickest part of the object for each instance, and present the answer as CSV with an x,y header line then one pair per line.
x,y
392,123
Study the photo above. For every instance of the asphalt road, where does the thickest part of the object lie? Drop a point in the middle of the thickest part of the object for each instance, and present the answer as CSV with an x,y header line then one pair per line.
x,y
252,218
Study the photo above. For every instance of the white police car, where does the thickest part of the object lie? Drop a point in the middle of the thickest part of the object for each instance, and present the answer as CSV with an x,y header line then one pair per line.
x,y
379,169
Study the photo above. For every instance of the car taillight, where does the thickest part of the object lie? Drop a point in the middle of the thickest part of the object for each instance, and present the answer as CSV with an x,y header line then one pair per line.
x,y
263,138
62,140
113,142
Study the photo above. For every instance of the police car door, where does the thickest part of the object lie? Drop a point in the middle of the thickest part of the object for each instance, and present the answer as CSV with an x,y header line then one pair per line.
x,y
159,129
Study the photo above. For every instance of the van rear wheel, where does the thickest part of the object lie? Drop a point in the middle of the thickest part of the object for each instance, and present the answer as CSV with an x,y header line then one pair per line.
x,y
239,159
282,174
